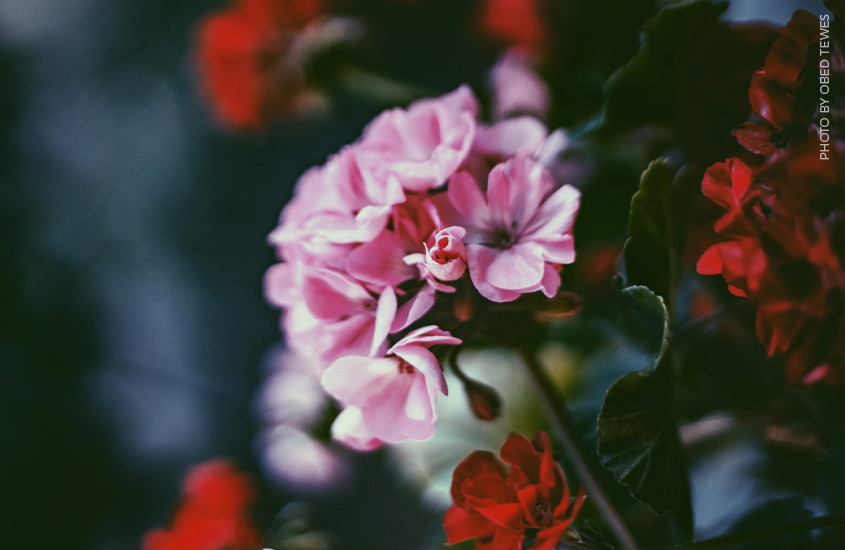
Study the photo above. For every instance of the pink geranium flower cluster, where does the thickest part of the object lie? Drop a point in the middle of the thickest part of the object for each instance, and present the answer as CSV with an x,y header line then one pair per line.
x,y
429,200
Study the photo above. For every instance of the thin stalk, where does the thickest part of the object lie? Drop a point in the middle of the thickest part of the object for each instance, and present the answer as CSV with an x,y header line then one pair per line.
x,y
763,534
563,427
377,87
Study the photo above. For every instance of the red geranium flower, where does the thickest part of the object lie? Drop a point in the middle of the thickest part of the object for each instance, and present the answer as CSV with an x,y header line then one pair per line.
x,y
505,509
515,23
773,89
740,259
249,59
212,513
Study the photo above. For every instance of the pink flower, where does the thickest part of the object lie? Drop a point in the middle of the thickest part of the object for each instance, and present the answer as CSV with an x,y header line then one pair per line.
x,y
391,398
328,314
422,147
518,236
517,88
333,207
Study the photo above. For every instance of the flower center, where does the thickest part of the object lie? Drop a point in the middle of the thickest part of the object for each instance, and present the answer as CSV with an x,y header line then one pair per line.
x,y
503,239
405,367
542,514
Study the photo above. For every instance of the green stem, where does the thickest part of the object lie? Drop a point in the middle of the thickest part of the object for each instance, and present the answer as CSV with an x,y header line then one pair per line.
x,y
377,87
763,534
564,428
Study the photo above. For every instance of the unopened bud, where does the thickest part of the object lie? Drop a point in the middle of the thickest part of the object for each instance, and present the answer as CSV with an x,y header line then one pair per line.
x,y
483,400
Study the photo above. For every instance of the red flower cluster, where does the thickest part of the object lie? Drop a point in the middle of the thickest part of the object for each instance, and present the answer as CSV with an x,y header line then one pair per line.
x,y
784,226
249,58
211,515
783,229
505,510
773,89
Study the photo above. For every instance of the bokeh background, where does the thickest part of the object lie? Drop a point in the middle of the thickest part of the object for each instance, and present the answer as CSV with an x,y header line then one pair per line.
x,y
132,249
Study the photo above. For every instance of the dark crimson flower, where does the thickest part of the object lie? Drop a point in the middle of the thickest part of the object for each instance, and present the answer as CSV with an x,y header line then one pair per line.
x,y
250,59
773,90
503,510
212,512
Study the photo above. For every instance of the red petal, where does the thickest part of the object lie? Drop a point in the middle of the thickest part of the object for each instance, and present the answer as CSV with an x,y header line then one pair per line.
x,y
487,490
755,138
772,102
803,28
461,525
716,185
710,263
477,464
547,539
520,454
507,515
507,539
784,62
740,179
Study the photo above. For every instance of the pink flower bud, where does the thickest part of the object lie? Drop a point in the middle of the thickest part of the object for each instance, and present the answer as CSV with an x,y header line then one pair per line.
x,y
446,259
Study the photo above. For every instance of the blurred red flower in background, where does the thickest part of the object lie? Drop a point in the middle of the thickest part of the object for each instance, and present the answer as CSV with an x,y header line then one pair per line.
x,y
515,23
249,59
212,512
505,509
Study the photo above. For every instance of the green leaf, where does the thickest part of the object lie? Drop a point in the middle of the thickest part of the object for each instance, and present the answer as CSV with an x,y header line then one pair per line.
x,y
637,438
646,89
657,227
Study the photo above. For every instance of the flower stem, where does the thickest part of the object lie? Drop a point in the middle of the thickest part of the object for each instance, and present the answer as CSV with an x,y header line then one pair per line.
x,y
742,538
378,87
564,429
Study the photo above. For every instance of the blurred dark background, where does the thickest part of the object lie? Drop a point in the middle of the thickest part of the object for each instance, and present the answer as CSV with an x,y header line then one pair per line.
x,y
132,248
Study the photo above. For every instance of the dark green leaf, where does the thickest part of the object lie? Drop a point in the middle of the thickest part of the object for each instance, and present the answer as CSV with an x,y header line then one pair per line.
x,y
637,439
657,227
773,514
647,88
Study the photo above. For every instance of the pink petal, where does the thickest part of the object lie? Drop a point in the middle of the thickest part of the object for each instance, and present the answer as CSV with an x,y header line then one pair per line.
x,y
385,312
557,213
427,336
359,381
515,190
380,261
557,251
509,137
516,86
349,429
412,310
518,267
280,285
467,199
330,295
419,405
551,281
426,363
